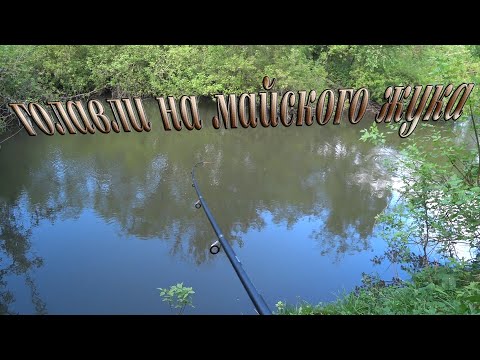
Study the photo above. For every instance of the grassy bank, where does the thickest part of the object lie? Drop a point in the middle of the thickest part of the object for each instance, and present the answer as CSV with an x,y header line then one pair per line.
x,y
453,289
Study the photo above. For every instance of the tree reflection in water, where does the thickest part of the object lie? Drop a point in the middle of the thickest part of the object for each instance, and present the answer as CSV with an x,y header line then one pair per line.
x,y
16,258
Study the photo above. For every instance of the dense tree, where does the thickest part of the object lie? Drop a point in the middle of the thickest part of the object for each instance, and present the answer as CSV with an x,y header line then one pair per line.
x,y
52,72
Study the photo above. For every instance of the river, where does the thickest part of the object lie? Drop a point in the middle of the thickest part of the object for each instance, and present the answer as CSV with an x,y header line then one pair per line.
x,y
94,224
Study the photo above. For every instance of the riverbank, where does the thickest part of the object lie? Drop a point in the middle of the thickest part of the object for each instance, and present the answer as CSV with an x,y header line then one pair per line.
x,y
435,290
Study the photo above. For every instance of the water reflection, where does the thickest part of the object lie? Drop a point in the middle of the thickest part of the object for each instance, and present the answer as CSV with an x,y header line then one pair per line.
x,y
16,257
142,183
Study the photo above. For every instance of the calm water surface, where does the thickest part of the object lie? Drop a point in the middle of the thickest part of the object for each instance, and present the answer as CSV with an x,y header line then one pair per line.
x,y
94,224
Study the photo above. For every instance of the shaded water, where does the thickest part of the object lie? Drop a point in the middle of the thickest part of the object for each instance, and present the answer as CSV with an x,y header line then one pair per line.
x,y
93,224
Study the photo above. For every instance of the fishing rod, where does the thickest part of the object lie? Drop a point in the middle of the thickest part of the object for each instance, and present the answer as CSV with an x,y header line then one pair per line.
x,y
257,299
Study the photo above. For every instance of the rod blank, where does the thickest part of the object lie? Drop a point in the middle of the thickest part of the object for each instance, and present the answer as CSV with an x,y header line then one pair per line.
x,y
257,299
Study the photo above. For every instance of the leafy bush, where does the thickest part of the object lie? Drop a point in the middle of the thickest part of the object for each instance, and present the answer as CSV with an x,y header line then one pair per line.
x,y
178,297
440,196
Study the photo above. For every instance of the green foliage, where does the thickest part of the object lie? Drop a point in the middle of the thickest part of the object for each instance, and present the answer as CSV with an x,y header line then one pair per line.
x,y
52,72
178,297
373,135
440,196
29,73
451,289
378,66
47,71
